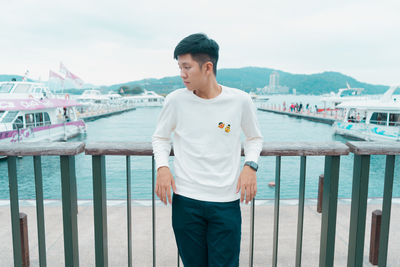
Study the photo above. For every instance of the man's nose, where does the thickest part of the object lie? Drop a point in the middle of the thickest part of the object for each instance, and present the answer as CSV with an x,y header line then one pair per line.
x,y
183,74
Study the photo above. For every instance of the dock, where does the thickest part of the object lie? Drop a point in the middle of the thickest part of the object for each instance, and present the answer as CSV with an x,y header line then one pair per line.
x,y
91,116
328,117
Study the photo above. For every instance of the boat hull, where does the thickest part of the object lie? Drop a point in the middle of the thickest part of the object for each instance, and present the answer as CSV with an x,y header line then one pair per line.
x,y
368,132
55,132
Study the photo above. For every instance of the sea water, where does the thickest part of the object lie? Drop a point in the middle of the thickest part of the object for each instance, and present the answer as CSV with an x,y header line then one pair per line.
x,y
138,126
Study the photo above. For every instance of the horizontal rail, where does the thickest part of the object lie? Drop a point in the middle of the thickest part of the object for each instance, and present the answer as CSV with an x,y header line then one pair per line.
x,y
42,149
145,149
374,148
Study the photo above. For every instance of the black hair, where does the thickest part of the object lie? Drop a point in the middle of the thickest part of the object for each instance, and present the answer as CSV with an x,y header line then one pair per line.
x,y
201,48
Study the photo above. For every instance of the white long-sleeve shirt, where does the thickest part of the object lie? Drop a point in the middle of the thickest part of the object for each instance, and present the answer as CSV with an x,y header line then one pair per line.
x,y
206,141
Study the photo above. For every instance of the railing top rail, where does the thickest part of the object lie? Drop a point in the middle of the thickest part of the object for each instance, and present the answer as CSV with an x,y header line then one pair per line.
x,y
374,148
119,149
304,149
269,149
42,149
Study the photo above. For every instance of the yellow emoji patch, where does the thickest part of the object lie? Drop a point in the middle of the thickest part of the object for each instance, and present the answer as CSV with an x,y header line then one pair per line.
x,y
221,125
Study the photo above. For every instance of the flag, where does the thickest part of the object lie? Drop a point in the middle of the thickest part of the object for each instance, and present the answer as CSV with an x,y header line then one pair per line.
x,y
74,78
25,76
54,75
63,69
69,75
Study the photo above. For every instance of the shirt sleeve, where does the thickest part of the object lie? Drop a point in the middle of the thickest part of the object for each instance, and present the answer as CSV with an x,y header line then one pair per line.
x,y
161,139
254,140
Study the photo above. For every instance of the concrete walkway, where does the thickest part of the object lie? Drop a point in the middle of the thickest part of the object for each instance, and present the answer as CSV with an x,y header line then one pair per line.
x,y
166,249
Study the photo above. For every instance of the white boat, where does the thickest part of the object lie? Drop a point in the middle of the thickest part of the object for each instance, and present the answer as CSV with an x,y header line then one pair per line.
x,y
147,99
375,120
343,95
95,105
93,97
29,112
258,97
24,89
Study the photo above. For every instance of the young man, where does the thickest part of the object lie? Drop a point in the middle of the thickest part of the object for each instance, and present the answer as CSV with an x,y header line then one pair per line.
x,y
206,120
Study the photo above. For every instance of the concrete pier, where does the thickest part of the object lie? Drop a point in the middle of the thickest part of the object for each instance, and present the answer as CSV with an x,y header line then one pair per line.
x,y
91,116
326,118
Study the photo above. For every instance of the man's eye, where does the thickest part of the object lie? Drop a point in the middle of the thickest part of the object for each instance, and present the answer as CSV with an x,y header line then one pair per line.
x,y
187,68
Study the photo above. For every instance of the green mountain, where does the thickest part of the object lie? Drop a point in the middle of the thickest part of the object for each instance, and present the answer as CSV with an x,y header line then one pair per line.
x,y
248,79
251,78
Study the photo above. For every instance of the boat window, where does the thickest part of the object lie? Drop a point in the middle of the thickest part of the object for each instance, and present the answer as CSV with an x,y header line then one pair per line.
x,y
18,123
10,116
378,118
29,120
394,119
6,88
22,88
39,119
46,118
353,115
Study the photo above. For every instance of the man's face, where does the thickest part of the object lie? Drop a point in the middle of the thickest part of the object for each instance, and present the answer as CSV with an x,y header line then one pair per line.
x,y
193,76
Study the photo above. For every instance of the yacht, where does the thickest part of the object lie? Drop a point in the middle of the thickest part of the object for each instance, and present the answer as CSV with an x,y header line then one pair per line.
x,y
146,99
373,119
30,112
332,100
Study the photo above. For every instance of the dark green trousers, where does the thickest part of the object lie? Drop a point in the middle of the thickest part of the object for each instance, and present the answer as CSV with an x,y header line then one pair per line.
x,y
207,233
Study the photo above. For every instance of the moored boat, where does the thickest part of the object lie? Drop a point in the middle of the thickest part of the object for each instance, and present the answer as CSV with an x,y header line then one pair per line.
x,y
332,100
375,120
147,99
29,112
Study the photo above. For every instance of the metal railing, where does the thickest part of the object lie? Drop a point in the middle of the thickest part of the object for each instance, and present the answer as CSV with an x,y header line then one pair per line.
x,y
332,151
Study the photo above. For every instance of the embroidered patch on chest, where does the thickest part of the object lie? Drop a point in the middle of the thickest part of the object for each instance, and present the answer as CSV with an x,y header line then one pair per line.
x,y
221,125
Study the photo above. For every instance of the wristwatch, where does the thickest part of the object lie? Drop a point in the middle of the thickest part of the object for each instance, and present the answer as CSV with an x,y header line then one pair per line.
x,y
252,165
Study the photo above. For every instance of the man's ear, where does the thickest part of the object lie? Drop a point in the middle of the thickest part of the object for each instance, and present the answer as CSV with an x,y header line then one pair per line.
x,y
209,67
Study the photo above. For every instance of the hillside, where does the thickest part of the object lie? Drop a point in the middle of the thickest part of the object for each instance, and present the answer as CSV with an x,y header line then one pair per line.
x,y
248,79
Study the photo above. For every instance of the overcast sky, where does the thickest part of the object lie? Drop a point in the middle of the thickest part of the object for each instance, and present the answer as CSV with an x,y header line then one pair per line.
x,y
119,41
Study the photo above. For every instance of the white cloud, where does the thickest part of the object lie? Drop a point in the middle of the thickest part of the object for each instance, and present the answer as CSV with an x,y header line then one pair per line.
x,y
118,41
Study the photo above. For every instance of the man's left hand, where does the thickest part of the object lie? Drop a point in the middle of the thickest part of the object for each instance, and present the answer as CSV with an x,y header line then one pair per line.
x,y
247,184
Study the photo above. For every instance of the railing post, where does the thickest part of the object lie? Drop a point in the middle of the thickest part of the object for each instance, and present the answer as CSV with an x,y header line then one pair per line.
x,y
276,211
375,234
300,216
320,193
37,164
69,206
14,206
129,208
251,246
386,207
358,210
100,210
23,220
329,209
153,208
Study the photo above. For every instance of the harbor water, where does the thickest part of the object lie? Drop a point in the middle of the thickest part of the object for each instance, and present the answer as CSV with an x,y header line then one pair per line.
x,y
138,126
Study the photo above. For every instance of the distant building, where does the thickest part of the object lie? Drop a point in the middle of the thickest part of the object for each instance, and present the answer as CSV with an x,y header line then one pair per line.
x,y
274,80
273,87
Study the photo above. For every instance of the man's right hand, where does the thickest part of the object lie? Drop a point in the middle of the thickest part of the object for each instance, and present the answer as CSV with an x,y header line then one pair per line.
x,y
164,183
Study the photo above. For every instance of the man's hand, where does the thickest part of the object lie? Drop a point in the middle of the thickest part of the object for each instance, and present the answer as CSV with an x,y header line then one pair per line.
x,y
164,183
247,184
